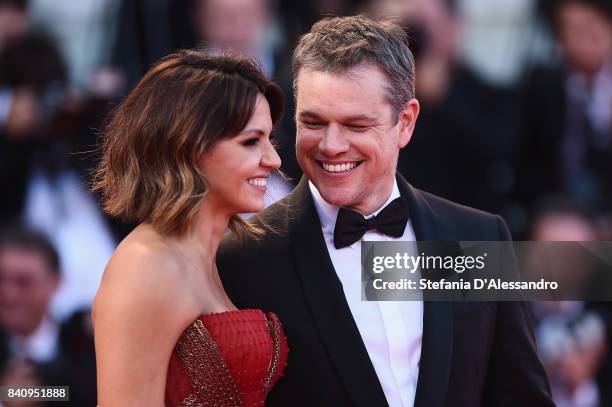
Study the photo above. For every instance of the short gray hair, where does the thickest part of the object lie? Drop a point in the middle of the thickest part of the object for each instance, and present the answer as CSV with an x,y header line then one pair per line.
x,y
341,43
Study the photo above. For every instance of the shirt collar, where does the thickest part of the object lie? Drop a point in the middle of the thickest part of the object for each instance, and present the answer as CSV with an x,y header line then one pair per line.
x,y
42,345
328,212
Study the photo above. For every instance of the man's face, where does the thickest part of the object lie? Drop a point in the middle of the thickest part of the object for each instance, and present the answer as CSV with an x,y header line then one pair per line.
x,y
26,287
347,139
585,36
236,25
13,23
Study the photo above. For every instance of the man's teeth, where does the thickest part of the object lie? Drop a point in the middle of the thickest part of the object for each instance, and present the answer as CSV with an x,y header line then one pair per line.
x,y
339,167
258,182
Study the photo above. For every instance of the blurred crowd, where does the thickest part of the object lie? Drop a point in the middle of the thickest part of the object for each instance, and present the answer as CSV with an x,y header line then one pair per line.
x,y
516,119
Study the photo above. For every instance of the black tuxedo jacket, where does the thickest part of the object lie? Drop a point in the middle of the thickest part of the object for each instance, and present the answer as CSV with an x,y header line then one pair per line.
x,y
473,354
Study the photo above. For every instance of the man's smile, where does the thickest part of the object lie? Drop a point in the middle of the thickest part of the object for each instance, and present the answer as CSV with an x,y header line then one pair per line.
x,y
339,167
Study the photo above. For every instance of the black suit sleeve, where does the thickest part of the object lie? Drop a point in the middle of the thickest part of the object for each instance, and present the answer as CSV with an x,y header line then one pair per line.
x,y
515,376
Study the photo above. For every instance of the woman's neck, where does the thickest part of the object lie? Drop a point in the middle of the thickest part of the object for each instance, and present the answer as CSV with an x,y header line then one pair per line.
x,y
207,232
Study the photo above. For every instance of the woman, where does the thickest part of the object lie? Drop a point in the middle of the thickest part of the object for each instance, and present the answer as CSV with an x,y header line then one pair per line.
x,y
185,153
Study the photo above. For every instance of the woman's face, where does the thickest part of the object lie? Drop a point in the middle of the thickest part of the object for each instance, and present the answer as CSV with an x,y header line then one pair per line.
x,y
238,168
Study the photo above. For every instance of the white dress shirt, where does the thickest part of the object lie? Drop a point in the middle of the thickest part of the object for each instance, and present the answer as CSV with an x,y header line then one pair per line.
x,y
41,346
391,331
66,211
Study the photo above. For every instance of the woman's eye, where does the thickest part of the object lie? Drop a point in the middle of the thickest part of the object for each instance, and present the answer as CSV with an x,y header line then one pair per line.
x,y
251,142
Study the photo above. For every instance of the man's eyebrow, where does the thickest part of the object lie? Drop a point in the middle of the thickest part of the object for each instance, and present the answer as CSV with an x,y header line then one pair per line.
x,y
307,114
359,117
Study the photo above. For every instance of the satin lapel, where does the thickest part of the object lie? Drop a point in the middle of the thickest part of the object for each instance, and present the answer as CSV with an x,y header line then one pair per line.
x,y
328,306
436,351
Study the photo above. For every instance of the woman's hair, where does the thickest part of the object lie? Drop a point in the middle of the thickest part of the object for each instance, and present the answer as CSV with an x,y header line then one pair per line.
x,y
152,141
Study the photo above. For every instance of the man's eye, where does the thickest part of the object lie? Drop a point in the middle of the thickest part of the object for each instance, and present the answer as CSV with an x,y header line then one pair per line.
x,y
313,125
356,127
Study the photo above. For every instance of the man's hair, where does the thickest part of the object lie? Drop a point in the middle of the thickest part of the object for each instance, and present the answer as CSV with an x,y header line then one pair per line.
x,y
33,241
341,43
16,4
550,8
18,70
152,142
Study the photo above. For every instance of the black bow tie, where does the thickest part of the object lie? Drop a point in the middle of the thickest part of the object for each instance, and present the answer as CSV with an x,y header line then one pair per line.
x,y
351,225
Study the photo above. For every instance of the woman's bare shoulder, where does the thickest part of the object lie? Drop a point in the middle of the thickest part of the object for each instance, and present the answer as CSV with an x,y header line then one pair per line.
x,y
143,255
139,313
145,275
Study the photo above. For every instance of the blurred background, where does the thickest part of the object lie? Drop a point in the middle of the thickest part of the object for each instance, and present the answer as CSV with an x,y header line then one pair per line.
x,y
516,119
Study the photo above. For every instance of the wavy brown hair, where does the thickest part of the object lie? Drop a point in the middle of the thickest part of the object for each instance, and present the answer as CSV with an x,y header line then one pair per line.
x,y
152,140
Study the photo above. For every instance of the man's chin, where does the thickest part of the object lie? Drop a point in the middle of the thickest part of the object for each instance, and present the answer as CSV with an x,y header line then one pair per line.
x,y
335,197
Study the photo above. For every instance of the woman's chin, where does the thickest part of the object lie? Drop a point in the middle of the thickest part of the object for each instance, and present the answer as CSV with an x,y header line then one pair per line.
x,y
253,207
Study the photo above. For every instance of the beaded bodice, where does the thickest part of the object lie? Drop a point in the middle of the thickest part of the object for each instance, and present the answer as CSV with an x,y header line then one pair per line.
x,y
231,358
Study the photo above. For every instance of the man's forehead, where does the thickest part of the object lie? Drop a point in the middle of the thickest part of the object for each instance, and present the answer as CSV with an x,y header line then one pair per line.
x,y
22,258
323,114
360,93
364,70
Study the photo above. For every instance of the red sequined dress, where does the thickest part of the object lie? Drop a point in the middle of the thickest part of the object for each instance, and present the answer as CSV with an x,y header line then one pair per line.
x,y
230,358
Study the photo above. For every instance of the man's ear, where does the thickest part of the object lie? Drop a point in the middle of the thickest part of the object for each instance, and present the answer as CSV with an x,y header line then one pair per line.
x,y
407,119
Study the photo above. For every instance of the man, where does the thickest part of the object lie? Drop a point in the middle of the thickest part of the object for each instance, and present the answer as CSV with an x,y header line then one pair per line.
x,y
29,277
34,348
568,110
355,109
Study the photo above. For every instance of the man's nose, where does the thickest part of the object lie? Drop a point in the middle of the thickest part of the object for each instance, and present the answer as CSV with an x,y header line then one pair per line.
x,y
333,141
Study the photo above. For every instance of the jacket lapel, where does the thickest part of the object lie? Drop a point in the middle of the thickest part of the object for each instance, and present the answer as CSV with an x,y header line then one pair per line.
x,y
325,297
437,344
333,318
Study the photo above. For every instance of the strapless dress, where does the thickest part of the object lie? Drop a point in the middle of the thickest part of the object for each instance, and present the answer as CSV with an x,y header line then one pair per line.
x,y
230,358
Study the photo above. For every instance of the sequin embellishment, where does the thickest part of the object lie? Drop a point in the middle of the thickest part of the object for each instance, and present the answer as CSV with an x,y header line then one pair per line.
x,y
275,333
206,369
